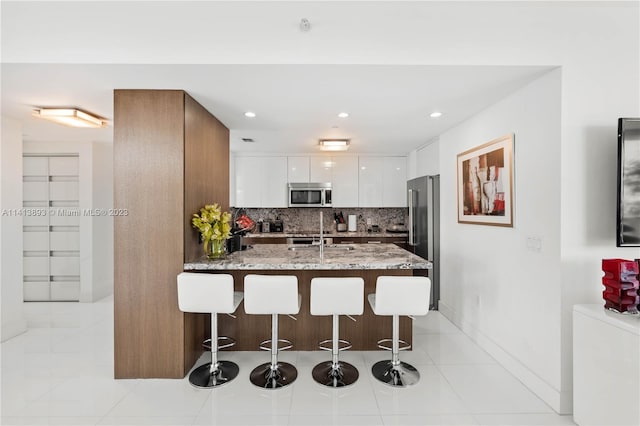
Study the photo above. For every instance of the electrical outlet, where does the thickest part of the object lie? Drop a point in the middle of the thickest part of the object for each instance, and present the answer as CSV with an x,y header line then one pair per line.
x,y
368,221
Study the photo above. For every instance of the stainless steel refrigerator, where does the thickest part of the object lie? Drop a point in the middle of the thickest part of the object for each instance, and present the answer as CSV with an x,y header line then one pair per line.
x,y
423,196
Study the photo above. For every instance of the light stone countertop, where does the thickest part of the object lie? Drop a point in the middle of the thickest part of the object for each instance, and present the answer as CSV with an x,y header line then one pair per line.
x,y
332,234
279,257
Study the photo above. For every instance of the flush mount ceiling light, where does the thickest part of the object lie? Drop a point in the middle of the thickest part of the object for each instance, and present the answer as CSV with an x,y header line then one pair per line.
x,y
343,115
250,114
435,114
70,117
334,144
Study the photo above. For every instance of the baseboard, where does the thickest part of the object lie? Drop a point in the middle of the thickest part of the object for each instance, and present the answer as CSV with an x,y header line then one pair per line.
x,y
12,329
560,402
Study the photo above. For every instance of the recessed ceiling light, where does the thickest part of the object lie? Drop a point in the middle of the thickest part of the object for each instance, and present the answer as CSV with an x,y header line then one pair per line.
x,y
250,114
343,115
435,114
70,117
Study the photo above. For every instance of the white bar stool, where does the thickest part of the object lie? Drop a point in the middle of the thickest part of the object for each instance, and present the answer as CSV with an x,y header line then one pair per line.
x,y
213,294
398,295
272,294
335,297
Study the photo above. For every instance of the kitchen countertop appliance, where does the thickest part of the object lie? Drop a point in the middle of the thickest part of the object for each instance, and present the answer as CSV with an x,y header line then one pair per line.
x,y
423,196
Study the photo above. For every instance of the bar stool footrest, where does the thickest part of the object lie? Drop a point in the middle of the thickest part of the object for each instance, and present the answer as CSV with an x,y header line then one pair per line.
x,y
227,342
288,345
327,345
404,345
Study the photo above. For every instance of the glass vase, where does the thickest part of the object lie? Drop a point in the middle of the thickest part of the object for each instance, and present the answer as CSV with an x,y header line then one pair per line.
x,y
214,248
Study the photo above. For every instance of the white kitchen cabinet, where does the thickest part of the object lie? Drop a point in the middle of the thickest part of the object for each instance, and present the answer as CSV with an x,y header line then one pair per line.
x,y
249,181
261,182
298,169
344,172
357,181
321,169
274,182
370,175
383,181
394,182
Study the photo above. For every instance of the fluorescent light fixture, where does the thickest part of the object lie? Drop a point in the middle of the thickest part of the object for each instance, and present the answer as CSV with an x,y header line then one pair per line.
x,y
69,117
435,114
343,115
334,144
250,114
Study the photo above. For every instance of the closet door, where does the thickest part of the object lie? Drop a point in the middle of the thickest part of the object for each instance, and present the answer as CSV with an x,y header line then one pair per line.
x,y
51,233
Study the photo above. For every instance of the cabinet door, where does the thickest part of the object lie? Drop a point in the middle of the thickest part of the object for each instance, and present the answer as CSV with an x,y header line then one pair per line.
x,y
274,181
370,173
320,169
344,172
249,181
394,182
298,169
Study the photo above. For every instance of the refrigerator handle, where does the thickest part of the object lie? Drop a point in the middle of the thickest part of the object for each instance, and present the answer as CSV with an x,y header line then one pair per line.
x,y
411,242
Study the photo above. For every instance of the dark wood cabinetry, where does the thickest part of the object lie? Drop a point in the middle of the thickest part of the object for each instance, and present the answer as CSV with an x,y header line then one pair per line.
x,y
401,242
171,157
264,240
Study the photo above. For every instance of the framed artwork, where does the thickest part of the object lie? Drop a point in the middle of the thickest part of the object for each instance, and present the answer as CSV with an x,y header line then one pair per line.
x,y
485,183
628,211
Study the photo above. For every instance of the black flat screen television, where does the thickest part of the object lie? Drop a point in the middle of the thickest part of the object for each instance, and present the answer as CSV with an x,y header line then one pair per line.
x,y
628,211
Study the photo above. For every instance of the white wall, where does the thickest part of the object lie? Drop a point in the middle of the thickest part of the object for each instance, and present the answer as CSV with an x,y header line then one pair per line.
x,y
503,294
96,232
102,226
13,322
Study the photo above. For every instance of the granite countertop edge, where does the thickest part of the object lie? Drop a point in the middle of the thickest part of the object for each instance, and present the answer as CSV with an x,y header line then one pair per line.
x,y
278,257
326,234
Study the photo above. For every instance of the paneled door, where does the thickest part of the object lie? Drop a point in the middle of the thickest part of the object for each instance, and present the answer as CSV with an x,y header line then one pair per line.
x,y
51,228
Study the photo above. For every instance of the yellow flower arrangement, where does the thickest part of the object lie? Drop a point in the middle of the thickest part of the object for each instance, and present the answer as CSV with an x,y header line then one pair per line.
x,y
214,226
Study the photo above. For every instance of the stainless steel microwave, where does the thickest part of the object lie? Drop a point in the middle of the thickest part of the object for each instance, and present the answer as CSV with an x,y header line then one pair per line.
x,y
310,194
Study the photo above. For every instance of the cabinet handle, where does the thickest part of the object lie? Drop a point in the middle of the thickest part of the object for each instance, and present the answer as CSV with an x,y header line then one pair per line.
x,y
346,242
374,242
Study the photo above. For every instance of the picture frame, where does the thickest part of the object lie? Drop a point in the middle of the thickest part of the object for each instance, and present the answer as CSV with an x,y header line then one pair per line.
x,y
628,182
485,183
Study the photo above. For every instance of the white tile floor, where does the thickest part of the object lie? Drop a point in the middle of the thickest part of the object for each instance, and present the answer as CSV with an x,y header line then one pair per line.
x,y
60,373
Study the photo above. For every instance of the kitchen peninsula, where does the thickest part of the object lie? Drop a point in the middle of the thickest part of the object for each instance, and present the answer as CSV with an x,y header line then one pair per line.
x,y
355,260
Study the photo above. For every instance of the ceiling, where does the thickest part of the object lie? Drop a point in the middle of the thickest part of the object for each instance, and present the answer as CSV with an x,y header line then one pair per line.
x,y
295,105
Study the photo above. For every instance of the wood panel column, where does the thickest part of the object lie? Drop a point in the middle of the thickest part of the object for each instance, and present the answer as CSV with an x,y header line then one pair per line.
x,y
171,157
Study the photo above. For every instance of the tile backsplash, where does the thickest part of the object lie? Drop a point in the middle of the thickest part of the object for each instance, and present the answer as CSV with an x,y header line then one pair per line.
x,y
306,219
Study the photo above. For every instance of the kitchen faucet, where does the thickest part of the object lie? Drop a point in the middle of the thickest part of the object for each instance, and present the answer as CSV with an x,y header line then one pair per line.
x,y
321,236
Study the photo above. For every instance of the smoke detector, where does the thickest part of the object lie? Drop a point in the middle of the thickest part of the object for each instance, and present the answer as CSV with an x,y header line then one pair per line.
x,y
305,25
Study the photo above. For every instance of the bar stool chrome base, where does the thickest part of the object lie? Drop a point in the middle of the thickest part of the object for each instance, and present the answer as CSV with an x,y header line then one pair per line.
x,y
266,377
203,377
344,374
400,375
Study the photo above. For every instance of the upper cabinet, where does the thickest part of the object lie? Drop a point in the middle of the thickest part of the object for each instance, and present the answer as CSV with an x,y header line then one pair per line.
x,y
261,182
382,181
320,169
370,181
345,181
298,169
357,181
394,182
